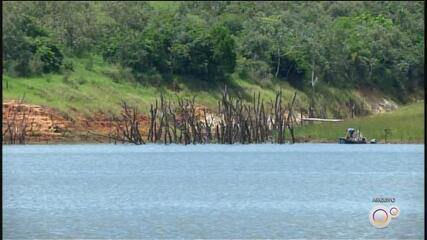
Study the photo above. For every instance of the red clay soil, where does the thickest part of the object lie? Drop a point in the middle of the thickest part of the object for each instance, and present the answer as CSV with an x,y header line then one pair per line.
x,y
49,126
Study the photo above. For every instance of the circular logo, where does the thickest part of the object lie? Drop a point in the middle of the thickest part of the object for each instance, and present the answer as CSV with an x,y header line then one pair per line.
x,y
379,216
394,211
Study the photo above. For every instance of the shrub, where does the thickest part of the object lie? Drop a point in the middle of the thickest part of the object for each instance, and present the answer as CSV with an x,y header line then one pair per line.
x,y
120,74
66,78
68,65
21,68
35,65
81,81
49,54
256,71
89,64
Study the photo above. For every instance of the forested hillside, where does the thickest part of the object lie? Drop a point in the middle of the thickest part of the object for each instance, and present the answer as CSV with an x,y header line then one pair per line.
x,y
318,48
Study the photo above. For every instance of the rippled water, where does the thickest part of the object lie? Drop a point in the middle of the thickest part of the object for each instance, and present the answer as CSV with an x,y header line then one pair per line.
x,y
210,191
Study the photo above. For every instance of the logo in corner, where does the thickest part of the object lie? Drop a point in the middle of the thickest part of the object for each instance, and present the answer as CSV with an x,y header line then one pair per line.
x,y
380,215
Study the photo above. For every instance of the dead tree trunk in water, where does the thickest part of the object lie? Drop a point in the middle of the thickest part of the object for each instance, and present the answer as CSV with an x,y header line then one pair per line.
x,y
16,125
279,123
153,116
289,121
127,127
237,121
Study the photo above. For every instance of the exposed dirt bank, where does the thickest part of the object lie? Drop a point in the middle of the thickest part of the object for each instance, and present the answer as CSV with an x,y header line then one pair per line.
x,y
50,126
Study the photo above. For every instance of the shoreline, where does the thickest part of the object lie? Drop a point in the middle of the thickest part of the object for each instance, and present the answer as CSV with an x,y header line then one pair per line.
x,y
94,142
50,127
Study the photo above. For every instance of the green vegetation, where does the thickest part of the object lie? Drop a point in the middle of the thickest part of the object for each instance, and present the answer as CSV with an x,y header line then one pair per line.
x,y
101,89
404,125
86,56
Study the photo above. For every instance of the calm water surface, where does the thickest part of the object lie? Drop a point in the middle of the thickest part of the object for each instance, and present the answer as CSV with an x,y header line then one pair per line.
x,y
321,191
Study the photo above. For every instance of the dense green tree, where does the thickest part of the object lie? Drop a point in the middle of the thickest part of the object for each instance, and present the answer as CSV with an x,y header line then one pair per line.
x,y
341,44
27,48
223,60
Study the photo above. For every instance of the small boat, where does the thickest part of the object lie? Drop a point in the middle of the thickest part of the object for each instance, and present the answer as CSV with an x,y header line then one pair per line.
x,y
353,136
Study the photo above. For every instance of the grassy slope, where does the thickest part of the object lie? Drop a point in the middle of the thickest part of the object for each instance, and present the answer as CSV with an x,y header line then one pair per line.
x,y
406,124
89,91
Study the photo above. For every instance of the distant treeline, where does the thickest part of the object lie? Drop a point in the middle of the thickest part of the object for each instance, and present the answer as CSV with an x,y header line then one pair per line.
x,y
342,44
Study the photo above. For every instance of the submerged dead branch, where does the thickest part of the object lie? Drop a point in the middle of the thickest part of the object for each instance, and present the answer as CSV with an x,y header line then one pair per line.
x,y
127,126
185,123
16,124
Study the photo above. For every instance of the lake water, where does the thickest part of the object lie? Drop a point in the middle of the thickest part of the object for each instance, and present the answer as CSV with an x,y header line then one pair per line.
x,y
316,191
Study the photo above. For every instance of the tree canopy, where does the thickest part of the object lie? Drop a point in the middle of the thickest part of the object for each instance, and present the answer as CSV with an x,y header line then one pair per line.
x,y
342,44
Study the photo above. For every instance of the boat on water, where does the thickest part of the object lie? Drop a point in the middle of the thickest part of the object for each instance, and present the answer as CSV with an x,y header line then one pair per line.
x,y
354,136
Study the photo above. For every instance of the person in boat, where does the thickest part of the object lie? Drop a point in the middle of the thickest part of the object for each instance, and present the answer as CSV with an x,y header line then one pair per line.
x,y
350,133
